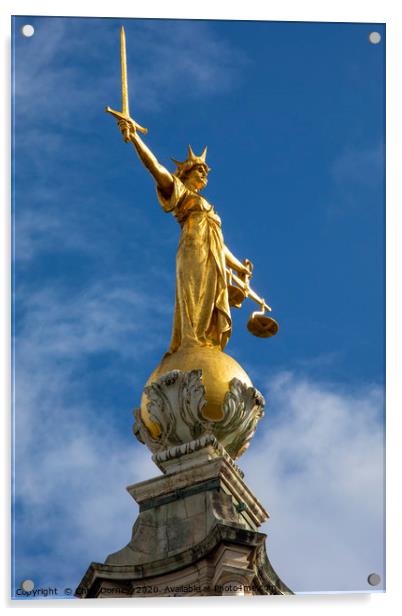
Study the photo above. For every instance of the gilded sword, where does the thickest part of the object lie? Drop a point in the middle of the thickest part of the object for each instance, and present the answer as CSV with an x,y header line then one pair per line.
x,y
124,114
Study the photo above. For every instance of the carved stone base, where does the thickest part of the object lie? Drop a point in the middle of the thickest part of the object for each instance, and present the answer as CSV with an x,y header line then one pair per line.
x,y
196,533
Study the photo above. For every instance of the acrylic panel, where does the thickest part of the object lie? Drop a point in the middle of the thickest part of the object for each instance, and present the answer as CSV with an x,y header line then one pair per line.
x,y
293,115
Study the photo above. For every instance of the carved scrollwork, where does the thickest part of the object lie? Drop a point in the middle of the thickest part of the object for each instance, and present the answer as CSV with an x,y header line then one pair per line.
x,y
175,404
243,407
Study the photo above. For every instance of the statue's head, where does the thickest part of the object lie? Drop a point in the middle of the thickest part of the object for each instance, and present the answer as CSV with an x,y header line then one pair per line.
x,y
194,170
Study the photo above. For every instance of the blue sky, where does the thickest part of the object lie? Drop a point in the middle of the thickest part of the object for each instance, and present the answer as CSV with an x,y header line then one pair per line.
x,y
293,116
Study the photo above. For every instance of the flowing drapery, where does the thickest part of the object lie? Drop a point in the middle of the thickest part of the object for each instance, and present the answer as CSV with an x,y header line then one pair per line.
x,y
202,313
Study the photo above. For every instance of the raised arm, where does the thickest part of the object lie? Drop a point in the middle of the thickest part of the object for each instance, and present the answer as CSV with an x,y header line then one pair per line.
x,y
161,175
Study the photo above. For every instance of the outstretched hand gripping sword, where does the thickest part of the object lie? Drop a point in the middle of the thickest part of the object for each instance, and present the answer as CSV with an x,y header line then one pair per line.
x,y
124,114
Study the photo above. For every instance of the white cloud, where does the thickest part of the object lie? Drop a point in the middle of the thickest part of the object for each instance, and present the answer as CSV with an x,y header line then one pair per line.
x,y
72,461
358,174
62,325
48,86
186,59
360,166
316,462
62,75
323,483
58,69
42,228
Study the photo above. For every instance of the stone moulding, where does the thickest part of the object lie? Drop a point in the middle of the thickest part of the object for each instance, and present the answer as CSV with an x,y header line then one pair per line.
x,y
265,578
190,538
231,481
207,441
175,404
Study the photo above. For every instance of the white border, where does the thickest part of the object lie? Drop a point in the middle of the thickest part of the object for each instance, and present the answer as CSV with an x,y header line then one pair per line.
x,y
379,11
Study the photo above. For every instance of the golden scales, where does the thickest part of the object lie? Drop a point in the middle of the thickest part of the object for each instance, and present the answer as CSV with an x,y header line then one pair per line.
x,y
259,324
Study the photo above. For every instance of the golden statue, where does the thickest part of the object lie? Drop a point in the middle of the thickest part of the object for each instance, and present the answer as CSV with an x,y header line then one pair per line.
x,y
209,278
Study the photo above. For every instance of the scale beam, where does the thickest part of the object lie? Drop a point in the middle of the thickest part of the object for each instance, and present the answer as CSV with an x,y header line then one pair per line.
x,y
248,291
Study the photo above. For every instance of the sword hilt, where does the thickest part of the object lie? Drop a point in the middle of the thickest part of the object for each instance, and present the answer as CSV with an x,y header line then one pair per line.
x,y
122,116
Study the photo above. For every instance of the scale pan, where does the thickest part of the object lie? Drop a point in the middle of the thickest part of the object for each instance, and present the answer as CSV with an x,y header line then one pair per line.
x,y
262,326
236,296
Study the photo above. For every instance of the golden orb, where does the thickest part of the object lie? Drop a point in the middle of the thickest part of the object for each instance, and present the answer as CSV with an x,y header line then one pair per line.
x,y
218,369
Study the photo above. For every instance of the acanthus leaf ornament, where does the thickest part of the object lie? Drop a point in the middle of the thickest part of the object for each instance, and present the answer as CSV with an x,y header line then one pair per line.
x,y
175,404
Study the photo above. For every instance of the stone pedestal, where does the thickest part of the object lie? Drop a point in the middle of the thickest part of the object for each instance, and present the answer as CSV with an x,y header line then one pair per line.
x,y
196,533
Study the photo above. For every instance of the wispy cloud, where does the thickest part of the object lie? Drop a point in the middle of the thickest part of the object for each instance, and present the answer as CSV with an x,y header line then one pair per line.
x,y
323,483
72,458
44,229
358,174
360,166
57,139
49,86
186,59
166,59
322,454
57,324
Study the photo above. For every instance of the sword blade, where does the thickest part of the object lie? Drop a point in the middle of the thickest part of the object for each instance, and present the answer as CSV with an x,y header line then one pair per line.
x,y
124,82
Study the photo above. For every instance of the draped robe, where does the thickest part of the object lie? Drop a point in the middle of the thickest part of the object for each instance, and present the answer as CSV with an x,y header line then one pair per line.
x,y
202,313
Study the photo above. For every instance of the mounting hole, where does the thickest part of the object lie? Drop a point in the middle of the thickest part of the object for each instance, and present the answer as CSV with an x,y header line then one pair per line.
x,y
27,585
374,38
374,579
28,30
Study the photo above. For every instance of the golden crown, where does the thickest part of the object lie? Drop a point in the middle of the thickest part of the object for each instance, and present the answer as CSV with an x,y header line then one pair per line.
x,y
191,161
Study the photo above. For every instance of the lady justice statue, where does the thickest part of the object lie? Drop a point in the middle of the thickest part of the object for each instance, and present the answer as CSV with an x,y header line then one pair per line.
x,y
197,528
209,278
